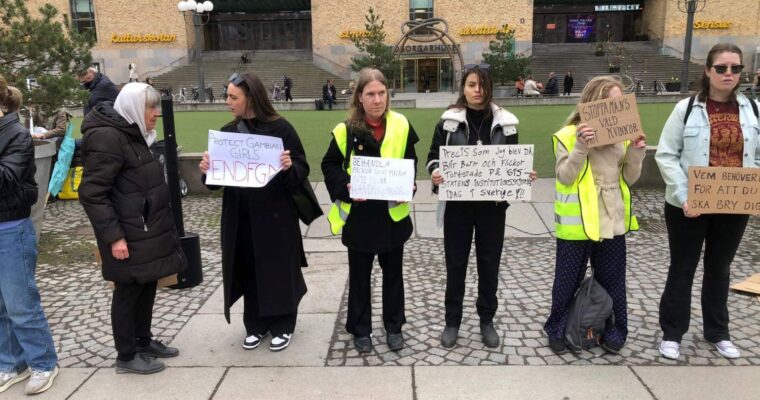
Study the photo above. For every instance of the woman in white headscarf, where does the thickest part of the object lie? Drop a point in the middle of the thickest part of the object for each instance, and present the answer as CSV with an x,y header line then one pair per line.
x,y
127,200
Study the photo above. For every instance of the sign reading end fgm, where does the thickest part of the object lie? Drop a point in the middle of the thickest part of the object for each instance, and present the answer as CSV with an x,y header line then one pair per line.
x,y
242,159
615,120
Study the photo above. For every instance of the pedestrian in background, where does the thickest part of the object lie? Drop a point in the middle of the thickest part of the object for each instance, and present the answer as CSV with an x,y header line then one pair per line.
x,y
567,85
592,214
370,227
721,130
262,247
126,198
27,350
101,88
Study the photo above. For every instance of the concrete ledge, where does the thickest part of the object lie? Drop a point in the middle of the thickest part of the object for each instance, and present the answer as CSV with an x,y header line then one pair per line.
x,y
650,174
296,105
572,100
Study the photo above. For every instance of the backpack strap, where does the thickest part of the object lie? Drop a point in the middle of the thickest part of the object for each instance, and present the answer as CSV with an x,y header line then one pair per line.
x,y
688,109
754,109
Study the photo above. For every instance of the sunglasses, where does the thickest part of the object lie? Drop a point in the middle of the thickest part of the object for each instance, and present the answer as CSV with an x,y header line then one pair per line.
x,y
236,79
735,69
484,67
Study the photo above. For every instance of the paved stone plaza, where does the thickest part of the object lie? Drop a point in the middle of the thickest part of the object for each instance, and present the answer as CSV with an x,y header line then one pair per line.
x,y
77,302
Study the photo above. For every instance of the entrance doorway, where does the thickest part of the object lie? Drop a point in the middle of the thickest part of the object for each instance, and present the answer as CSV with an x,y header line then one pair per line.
x,y
421,75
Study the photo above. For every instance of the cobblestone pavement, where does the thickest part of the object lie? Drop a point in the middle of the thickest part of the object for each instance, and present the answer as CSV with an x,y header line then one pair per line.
x,y
77,300
525,298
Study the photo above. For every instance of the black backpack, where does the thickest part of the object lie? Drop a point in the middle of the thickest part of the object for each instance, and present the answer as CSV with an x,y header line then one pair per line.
x,y
589,316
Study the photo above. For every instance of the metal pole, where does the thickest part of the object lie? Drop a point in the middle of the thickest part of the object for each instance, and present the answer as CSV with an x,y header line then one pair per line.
x,y
691,8
199,57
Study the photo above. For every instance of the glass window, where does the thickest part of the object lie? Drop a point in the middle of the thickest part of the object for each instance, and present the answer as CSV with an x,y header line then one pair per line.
x,y
420,9
83,16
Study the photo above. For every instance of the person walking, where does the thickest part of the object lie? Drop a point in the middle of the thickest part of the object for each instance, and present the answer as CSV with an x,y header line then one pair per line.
x,y
262,247
287,84
718,127
133,75
328,93
567,85
126,200
473,120
101,88
592,214
370,227
27,350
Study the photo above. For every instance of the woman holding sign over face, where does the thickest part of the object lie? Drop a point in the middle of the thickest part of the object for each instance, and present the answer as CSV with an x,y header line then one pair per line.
x,y
592,213
262,248
472,120
370,227
718,128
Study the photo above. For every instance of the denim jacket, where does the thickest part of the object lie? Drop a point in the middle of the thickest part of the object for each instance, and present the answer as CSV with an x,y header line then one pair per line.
x,y
685,145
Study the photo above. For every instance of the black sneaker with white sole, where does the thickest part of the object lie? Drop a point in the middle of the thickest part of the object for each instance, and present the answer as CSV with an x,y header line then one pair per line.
x,y
280,342
253,341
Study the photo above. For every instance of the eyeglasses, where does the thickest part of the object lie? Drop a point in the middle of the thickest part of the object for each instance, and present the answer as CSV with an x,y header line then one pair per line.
x,y
236,79
721,69
484,67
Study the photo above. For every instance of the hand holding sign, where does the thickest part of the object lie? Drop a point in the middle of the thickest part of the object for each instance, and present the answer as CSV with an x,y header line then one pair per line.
x,y
615,119
243,159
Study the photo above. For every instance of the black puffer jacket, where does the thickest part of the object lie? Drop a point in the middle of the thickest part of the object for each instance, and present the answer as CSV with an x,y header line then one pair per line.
x,y
125,196
18,189
101,90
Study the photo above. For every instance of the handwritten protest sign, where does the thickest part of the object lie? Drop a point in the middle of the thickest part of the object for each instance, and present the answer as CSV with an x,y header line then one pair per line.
x,y
382,178
723,190
242,159
615,119
499,172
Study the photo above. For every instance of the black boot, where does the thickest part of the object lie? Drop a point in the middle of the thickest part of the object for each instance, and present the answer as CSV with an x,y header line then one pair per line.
x,y
449,336
490,337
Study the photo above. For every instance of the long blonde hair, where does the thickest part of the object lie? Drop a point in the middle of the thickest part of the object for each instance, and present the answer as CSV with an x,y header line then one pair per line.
x,y
356,113
595,89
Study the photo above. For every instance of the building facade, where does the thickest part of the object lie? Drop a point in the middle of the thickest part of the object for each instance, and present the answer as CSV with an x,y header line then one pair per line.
x,y
156,36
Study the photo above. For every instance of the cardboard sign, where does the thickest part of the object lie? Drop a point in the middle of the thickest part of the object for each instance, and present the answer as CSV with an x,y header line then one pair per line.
x,y
242,159
751,285
375,178
499,172
615,120
724,190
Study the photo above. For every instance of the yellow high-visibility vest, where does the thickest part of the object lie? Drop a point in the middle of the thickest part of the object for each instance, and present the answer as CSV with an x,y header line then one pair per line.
x,y
393,146
576,206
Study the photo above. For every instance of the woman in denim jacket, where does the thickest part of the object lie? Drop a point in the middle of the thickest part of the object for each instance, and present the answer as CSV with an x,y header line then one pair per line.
x,y
721,130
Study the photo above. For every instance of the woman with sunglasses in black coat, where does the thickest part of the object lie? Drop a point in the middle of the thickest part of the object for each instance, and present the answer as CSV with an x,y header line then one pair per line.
x,y
473,120
262,247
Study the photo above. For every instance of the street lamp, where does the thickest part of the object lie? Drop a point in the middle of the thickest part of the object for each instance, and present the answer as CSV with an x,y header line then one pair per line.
x,y
690,7
198,9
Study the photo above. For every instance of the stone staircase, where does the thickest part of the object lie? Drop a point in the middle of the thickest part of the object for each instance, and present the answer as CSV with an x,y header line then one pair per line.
x,y
638,60
269,66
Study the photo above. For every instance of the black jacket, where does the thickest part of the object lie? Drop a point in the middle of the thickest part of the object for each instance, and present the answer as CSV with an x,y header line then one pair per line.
x,y
568,83
101,89
261,233
125,196
328,92
369,227
552,87
18,189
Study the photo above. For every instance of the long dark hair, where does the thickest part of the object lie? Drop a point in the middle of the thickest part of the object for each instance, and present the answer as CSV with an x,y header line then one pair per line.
x,y
486,88
704,81
257,98
356,111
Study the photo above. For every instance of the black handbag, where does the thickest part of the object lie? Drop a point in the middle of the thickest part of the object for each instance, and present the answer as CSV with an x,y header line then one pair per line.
x,y
304,199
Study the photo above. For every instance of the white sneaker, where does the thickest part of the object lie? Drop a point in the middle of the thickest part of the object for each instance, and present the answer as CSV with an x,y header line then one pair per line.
x,y
670,349
8,379
253,341
281,342
40,381
727,349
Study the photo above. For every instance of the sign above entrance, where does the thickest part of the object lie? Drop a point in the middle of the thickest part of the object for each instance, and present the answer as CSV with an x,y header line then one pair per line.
x,y
428,49
618,7
145,38
712,25
482,30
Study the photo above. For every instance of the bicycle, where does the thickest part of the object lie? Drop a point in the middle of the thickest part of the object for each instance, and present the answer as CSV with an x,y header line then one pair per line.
x,y
636,87
180,96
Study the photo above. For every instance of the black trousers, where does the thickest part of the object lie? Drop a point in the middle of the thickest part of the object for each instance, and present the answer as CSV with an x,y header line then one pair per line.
x,y
287,95
131,315
486,219
359,318
721,235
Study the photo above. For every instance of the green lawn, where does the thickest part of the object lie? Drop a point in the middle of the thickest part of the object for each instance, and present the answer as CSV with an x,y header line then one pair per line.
x,y
537,124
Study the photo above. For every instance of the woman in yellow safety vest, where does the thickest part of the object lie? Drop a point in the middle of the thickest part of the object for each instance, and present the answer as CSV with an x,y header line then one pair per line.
x,y
592,214
370,227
